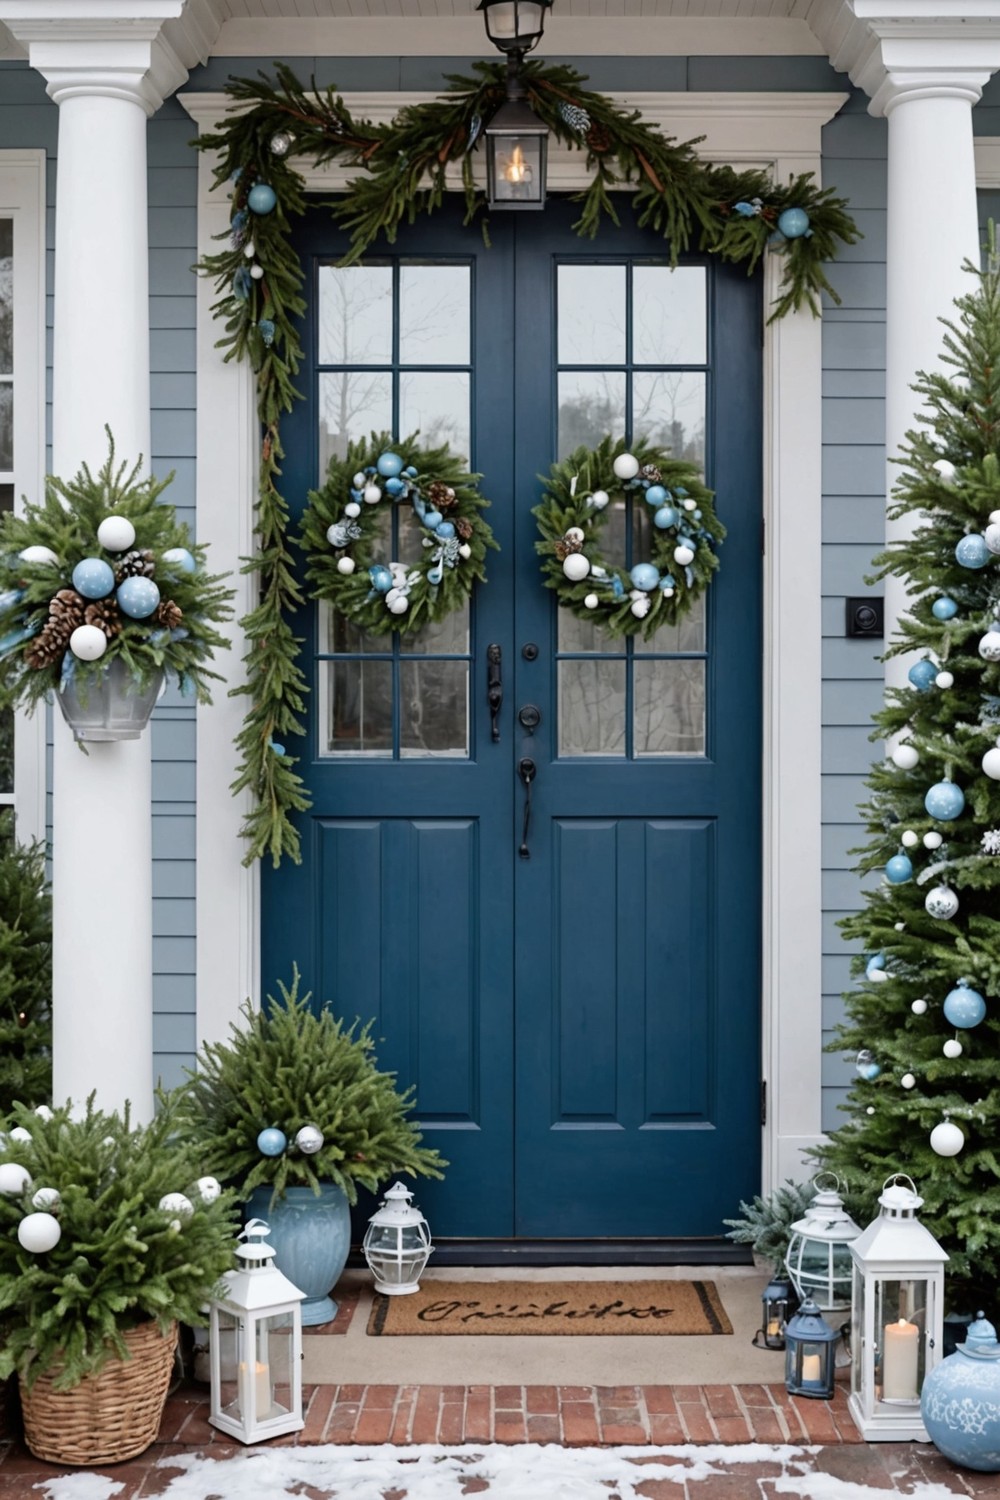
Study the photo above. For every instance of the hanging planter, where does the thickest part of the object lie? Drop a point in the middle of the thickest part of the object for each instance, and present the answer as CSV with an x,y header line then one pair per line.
x,y
110,706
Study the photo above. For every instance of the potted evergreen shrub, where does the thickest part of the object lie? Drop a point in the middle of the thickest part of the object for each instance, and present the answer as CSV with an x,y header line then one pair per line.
x,y
109,1235
25,971
294,1110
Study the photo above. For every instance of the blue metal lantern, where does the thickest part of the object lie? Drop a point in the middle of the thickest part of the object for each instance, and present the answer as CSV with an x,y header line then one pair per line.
x,y
777,1304
810,1346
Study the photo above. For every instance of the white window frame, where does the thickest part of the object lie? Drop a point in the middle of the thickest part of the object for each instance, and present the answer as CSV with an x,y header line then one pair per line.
x,y
22,199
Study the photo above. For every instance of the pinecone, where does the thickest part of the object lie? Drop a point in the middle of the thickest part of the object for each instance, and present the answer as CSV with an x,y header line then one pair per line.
x,y
169,614
651,472
66,612
463,528
598,139
566,546
104,614
135,564
576,118
441,495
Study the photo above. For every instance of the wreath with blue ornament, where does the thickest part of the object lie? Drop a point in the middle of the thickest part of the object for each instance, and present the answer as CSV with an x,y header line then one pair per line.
x,y
350,541
580,493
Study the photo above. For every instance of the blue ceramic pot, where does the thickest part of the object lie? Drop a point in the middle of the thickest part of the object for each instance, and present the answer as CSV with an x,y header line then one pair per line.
x,y
311,1236
960,1401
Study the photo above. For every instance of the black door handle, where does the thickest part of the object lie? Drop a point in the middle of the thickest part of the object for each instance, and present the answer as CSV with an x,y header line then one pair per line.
x,y
527,770
494,688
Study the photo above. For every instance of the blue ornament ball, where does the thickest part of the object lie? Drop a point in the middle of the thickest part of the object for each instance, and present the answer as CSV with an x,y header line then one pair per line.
x,y
180,557
665,517
793,223
93,578
381,578
410,472
138,597
964,1007
389,465
866,1066
445,530
972,551
645,576
261,198
656,494
922,674
271,1141
944,608
945,801
898,869
432,519
395,487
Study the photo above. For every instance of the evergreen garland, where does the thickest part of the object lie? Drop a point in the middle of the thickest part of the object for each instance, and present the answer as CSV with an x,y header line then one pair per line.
x,y
683,521
404,169
121,1260
341,531
948,719
286,1066
25,971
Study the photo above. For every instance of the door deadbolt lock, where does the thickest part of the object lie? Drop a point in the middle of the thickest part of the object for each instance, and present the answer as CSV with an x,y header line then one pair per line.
x,y
530,651
530,716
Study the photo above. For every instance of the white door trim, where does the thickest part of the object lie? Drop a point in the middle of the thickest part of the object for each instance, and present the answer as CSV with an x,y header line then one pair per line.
x,y
783,133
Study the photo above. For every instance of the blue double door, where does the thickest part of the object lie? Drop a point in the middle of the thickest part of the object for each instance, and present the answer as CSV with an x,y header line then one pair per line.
x,y
574,991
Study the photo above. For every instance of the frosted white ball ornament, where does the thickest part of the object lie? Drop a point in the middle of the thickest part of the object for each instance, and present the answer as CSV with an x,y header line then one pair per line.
x,y
991,536
933,839
905,757
989,644
359,481
909,839
907,1081
626,466
941,903
576,567
599,499
574,534
465,552
13,1178
372,494
39,1232
88,642
44,1113
116,533
353,510
952,1048
20,1134
345,565
640,607
947,1139
38,554
919,1007
683,555
944,680
47,1198
208,1189
396,603
309,1139
176,1203
591,601
991,763
945,470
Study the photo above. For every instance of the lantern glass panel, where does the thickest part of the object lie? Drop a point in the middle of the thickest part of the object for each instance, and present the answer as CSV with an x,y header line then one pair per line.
x,y
900,1309
808,1365
230,1339
858,1308
518,168
397,1254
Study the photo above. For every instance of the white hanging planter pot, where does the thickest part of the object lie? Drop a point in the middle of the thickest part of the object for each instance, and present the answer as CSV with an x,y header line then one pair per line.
x,y
111,707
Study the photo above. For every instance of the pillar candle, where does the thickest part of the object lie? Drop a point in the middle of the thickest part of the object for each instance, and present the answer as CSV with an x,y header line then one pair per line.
x,y
899,1361
811,1367
262,1389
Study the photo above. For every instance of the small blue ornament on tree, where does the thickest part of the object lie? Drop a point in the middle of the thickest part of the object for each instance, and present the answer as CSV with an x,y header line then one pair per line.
x,y
271,1141
922,675
945,801
381,578
93,578
944,608
898,870
866,1066
389,465
138,597
665,517
261,198
972,551
964,1007
180,557
793,223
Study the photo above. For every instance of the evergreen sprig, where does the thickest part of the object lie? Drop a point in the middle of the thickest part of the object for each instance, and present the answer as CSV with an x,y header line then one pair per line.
x,y
65,521
25,971
121,1259
766,1222
949,487
287,1066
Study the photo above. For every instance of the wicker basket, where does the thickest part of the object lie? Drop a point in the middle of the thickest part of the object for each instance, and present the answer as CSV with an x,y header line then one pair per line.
x,y
108,1417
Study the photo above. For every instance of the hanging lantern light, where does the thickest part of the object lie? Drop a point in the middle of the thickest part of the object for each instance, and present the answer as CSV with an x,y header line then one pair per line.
x,y
255,1335
897,1325
516,140
397,1244
777,1304
819,1257
810,1347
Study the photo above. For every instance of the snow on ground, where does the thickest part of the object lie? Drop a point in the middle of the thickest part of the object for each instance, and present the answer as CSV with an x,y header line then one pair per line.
x,y
497,1472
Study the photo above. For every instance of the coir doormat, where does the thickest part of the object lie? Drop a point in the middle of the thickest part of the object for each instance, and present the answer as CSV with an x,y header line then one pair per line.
x,y
546,1307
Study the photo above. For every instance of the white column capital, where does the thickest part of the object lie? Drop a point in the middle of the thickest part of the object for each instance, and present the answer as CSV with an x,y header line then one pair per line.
x,y
115,49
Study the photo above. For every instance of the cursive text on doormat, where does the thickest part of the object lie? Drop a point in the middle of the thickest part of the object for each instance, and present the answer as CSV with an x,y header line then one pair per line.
x,y
553,1307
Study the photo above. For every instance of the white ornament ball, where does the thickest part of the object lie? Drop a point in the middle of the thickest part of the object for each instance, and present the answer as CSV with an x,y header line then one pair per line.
x,y
39,1232
667,592
465,552
372,494
20,1134
640,607
576,567
47,1198
257,272
919,1007
907,1081
309,1139
116,534
44,1113
249,249
690,505
910,840
899,926
989,646
574,534
991,536
683,555
952,1047
38,555
88,642
591,601
933,840
995,516
905,757
599,499
352,511
208,1189
991,763
944,680
626,466
870,1110
345,565
947,1139
359,481
13,1178
941,902
946,470
176,1203
399,605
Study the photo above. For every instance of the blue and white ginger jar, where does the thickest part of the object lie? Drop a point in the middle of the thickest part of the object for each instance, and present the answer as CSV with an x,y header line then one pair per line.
x,y
960,1401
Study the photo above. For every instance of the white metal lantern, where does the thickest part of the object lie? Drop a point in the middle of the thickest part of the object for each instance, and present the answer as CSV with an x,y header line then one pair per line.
x,y
897,1325
819,1257
397,1243
255,1334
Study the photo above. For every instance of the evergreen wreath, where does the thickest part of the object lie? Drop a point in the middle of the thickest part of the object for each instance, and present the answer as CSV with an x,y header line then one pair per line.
x,y
343,526
658,590
405,167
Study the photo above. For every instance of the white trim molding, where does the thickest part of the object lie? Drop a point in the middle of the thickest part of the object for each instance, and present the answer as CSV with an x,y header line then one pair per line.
x,y
783,133
987,154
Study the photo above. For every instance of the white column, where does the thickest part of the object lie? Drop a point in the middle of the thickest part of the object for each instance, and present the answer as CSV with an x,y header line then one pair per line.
x,y
105,68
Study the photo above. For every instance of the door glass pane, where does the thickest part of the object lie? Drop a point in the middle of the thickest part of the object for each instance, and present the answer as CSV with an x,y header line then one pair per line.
x,y
434,314
338,634
449,636
591,314
669,409
434,707
355,315
6,426
591,707
591,405
352,403
6,296
669,324
687,635
436,404
669,709
355,707
585,635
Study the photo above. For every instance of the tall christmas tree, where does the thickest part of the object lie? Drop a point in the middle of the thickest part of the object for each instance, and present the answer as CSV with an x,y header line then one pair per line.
x,y
924,1020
